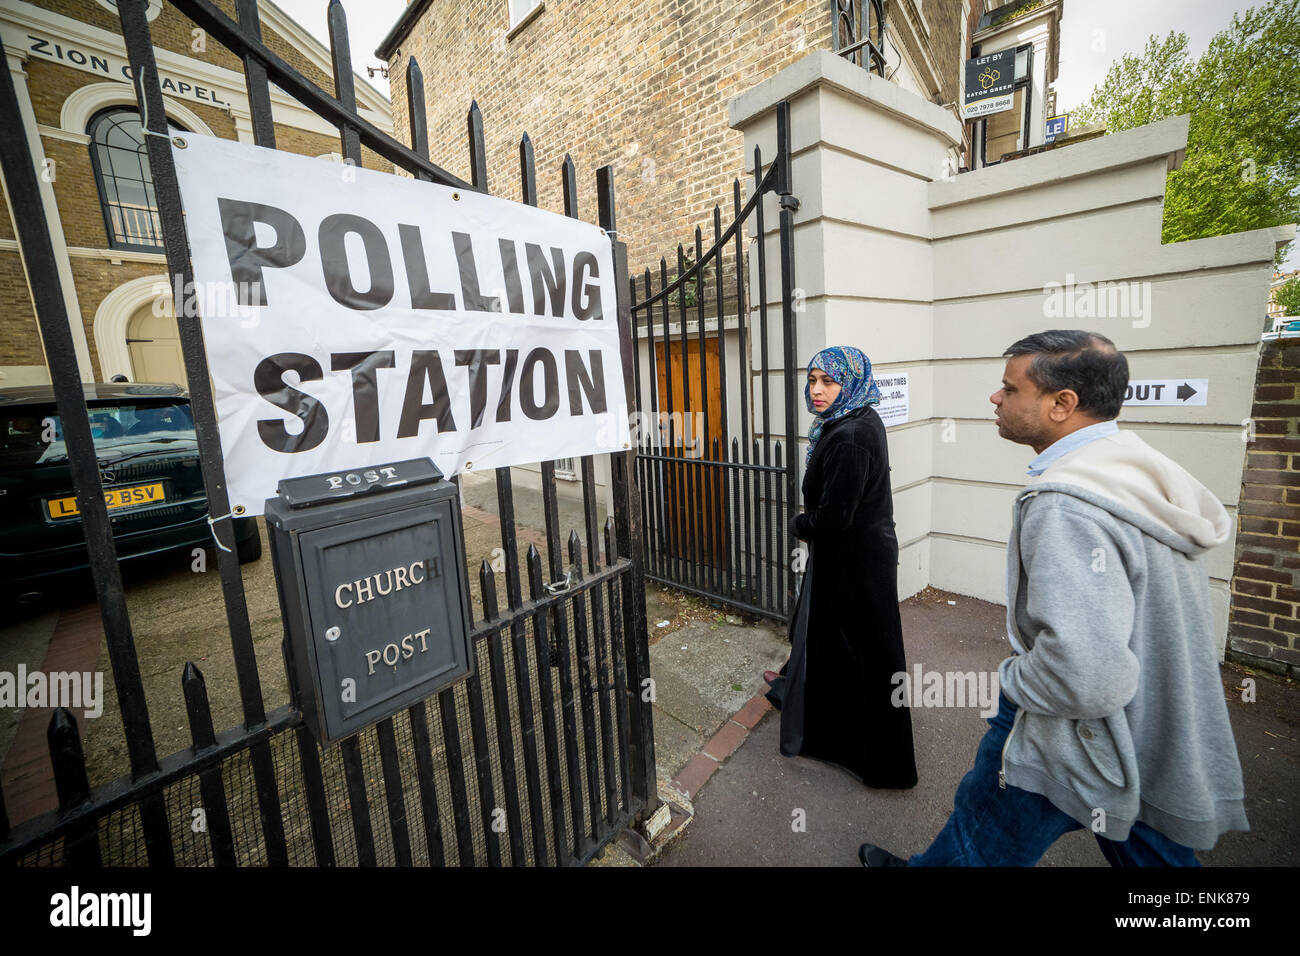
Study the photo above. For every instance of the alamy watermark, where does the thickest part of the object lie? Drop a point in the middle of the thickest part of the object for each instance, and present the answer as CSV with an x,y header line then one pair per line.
x,y
677,430
77,908
239,300
75,690
924,688
1098,300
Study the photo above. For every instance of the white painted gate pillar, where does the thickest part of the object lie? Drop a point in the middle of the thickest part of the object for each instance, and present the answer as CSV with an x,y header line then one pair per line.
x,y
864,151
937,274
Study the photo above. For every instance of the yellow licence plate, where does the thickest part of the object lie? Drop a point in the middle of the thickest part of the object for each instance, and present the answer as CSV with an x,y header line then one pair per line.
x,y
113,497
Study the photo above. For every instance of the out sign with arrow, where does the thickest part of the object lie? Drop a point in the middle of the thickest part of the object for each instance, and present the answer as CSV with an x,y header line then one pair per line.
x,y
1168,391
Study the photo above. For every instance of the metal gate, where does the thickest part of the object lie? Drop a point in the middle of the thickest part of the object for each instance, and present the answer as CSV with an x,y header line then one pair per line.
x,y
717,499
541,757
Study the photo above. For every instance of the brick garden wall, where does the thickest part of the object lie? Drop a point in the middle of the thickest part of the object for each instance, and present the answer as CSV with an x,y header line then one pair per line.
x,y
1264,628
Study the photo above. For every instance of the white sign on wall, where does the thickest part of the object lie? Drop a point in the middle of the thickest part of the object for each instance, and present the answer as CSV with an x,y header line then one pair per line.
x,y
893,408
1168,391
353,317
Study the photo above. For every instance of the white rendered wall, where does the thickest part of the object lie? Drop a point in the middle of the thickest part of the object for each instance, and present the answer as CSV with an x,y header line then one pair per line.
x,y
939,274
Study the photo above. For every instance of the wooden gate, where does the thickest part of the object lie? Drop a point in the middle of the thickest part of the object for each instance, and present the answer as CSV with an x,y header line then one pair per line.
x,y
699,430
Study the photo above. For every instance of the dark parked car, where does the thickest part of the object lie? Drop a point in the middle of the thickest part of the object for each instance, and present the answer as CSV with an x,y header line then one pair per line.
x,y
148,464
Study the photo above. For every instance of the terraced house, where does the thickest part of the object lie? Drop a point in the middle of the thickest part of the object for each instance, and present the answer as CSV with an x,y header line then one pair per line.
x,y
644,86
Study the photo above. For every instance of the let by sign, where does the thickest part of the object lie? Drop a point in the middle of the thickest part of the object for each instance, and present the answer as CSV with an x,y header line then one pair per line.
x,y
990,81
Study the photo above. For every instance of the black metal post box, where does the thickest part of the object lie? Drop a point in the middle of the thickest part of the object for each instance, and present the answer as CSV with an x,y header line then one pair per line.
x,y
369,568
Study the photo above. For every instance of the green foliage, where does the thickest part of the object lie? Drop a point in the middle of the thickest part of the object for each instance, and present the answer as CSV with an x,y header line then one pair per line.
x,y
1017,13
1288,296
1242,169
689,287
1141,90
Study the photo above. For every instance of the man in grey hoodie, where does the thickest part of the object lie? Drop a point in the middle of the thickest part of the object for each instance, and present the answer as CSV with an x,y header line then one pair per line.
x,y
1112,714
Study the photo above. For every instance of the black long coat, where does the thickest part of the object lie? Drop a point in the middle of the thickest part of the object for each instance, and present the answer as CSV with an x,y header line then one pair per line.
x,y
846,634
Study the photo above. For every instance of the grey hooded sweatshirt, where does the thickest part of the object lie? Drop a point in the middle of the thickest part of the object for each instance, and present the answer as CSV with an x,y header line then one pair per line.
x,y
1122,716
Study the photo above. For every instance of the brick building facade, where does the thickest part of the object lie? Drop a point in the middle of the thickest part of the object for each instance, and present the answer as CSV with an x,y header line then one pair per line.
x,y
642,86
67,60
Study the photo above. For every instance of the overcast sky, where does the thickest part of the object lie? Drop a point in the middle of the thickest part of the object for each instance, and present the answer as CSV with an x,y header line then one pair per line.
x,y
368,22
1096,32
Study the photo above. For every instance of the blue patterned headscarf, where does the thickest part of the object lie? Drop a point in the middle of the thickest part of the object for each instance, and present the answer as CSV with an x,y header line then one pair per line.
x,y
851,368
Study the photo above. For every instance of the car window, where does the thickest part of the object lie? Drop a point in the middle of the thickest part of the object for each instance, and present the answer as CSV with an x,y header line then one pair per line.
x,y
25,435
29,436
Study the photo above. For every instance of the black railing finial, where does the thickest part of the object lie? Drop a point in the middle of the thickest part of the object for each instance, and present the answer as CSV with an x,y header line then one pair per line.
x,y
527,171
477,147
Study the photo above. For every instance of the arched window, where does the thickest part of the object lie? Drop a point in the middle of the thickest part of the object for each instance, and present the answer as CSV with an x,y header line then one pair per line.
x,y
121,163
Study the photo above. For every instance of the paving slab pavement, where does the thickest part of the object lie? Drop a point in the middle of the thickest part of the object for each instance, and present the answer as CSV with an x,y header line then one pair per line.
x,y
707,665
25,642
750,810
702,677
480,492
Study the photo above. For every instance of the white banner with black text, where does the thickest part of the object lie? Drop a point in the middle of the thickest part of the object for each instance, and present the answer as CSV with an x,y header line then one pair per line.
x,y
353,317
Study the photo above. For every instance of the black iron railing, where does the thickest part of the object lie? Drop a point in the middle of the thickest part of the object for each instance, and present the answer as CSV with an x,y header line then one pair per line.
x,y
852,34
717,499
558,680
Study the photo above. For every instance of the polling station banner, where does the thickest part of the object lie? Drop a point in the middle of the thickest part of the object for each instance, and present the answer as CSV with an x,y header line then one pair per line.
x,y
353,317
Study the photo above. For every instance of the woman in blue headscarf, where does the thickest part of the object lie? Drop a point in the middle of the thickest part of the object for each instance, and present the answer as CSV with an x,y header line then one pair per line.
x,y
836,691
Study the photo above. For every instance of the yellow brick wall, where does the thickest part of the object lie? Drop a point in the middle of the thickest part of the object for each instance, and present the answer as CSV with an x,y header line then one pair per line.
x,y
639,84
19,339
173,31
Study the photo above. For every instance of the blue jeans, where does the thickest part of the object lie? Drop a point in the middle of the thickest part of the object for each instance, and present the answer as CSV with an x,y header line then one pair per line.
x,y
992,826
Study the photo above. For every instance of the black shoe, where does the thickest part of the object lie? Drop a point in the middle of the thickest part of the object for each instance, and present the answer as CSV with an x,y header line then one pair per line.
x,y
872,855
